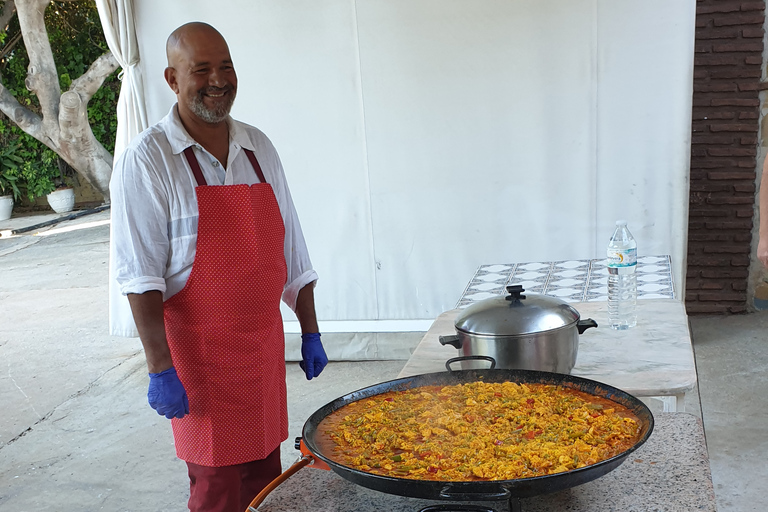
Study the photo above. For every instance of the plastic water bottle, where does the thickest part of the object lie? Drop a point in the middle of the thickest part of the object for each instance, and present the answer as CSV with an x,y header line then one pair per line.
x,y
622,280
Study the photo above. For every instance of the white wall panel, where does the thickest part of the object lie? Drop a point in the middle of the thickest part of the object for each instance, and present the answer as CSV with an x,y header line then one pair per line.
x,y
475,120
644,80
422,138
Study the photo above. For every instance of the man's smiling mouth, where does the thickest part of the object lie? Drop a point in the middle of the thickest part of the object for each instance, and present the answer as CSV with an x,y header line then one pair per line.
x,y
216,93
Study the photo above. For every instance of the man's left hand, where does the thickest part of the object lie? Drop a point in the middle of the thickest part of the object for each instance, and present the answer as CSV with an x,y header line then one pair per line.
x,y
313,358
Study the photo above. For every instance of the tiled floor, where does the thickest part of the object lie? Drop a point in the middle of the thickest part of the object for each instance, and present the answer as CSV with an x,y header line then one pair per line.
x,y
571,281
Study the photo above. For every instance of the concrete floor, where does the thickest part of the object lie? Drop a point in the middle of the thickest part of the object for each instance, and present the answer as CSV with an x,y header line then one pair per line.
x,y
76,433
732,365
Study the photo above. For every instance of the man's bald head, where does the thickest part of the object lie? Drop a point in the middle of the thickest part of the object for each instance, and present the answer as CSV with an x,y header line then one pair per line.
x,y
181,35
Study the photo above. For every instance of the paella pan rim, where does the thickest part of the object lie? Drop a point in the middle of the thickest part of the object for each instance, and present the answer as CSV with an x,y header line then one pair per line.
x,y
480,490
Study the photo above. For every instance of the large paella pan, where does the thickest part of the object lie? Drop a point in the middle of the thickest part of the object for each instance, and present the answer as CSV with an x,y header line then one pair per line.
x,y
315,439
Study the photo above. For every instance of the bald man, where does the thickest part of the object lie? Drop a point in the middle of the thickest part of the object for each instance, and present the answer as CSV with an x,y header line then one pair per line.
x,y
207,243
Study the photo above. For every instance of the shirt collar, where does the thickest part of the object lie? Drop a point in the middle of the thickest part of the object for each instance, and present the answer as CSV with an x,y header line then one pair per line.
x,y
180,140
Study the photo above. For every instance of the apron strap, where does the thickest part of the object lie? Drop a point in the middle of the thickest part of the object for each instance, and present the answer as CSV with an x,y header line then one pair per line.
x,y
192,159
193,163
255,164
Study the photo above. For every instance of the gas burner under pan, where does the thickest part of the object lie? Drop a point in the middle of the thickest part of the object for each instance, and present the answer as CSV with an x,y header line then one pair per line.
x,y
514,506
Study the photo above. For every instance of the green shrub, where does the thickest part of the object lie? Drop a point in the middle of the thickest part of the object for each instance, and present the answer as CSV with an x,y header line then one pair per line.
x,y
10,172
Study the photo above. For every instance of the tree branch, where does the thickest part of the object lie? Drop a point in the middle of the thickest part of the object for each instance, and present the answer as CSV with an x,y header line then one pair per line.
x,y
10,45
87,84
9,8
42,75
77,141
24,118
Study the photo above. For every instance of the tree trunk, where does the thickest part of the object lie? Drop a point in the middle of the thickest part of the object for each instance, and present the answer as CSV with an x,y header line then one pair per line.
x,y
63,126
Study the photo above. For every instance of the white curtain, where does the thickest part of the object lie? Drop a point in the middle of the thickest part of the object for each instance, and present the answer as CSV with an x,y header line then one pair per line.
x,y
423,138
117,22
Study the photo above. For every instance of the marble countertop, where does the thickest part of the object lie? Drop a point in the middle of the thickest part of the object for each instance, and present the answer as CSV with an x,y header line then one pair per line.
x,y
655,358
669,473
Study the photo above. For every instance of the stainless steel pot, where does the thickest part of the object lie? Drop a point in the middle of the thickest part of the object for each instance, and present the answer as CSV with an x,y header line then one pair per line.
x,y
527,332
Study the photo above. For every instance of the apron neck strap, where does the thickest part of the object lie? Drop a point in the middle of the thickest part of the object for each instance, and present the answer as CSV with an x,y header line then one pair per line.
x,y
255,164
195,166
192,159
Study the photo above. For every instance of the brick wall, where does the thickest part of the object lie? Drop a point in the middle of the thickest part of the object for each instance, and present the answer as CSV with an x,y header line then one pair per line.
x,y
726,83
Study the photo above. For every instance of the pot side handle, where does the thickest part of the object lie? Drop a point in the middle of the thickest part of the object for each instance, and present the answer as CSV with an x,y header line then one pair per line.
x,y
583,325
451,340
452,360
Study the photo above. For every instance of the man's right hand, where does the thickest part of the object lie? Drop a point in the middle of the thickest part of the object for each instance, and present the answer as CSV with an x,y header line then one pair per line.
x,y
167,395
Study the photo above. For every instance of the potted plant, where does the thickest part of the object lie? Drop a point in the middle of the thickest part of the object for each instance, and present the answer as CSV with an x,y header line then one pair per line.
x,y
9,188
62,199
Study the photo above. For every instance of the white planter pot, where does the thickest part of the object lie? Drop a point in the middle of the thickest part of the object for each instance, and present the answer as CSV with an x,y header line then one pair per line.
x,y
62,200
6,207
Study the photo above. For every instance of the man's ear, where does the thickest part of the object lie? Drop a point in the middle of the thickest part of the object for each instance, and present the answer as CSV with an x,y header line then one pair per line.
x,y
170,77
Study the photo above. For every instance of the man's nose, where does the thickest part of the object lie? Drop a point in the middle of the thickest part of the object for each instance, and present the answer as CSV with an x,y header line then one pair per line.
x,y
217,79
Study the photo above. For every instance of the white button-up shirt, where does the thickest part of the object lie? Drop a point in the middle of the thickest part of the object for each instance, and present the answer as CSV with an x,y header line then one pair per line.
x,y
154,206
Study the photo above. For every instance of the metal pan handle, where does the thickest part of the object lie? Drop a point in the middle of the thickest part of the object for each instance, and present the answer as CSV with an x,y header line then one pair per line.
x,y
466,358
453,508
446,494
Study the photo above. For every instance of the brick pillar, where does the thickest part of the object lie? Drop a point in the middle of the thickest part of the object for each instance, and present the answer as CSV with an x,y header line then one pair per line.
x,y
726,83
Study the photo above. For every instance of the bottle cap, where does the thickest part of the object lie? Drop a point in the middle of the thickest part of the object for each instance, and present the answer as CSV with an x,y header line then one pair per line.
x,y
621,223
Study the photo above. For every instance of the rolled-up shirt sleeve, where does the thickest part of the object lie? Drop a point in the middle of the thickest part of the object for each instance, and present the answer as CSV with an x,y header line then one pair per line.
x,y
291,291
139,225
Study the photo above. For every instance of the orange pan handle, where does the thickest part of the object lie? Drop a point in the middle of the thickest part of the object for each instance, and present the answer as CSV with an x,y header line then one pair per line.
x,y
317,464
307,459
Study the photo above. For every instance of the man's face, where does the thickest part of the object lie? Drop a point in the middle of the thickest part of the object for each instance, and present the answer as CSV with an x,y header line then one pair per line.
x,y
202,76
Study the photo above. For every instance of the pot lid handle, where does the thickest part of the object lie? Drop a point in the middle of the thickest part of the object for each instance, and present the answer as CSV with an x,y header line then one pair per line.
x,y
515,291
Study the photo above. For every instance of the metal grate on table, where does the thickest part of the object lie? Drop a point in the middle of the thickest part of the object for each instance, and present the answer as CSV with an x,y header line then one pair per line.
x,y
570,281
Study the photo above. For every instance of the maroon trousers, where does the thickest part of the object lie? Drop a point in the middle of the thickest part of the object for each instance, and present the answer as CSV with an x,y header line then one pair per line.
x,y
230,488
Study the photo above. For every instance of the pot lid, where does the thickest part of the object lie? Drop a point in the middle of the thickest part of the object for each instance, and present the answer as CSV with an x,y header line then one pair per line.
x,y
516,314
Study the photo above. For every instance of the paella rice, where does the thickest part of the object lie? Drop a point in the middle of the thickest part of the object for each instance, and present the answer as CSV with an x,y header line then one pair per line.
x,y
479,431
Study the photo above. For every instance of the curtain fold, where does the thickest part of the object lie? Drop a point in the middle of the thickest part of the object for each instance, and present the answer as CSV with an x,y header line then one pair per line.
x,y
117,21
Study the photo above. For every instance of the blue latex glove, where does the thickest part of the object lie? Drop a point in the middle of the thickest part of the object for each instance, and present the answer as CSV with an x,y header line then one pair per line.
x,y
313,358
167,395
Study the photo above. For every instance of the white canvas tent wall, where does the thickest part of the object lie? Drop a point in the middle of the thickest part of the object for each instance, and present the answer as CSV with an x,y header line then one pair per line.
x,y
424,138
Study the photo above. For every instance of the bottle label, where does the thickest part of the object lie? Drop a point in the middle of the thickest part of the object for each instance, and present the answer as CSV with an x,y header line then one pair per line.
x,y
625,258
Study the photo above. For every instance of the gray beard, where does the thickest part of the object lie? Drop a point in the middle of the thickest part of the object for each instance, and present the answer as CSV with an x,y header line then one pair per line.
x,y
215,115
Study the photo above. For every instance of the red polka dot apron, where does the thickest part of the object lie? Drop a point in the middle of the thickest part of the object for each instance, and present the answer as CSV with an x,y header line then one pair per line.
x,y
225,330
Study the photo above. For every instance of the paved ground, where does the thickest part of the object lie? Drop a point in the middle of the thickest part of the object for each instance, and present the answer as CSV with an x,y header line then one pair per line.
x,y
732,364
76,433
